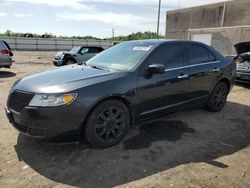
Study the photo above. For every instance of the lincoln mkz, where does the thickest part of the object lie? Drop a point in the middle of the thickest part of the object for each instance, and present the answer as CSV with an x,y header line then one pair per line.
x,y
122,85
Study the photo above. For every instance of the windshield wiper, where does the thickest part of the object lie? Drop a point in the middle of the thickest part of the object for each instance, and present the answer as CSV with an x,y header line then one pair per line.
x,y
100,68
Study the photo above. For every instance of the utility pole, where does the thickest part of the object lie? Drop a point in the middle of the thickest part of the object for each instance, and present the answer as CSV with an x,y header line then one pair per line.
x,y
223,15
113,34
159,15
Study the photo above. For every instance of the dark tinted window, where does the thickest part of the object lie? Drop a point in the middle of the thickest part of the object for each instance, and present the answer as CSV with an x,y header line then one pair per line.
x,y
93,50
198,54
170,55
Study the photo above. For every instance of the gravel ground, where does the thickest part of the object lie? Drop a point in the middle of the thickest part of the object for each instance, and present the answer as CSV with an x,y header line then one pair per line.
x,y
190,148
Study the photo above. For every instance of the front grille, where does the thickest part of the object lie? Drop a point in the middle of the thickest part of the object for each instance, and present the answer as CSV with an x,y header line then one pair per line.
x,y
18,100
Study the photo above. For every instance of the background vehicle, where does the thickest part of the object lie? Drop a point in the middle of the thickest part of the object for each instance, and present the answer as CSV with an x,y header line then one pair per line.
x,y
5,54
78,54
243,62
28,35
126,83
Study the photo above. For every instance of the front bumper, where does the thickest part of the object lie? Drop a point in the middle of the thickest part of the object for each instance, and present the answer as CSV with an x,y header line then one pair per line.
x,y
243,77
6,64
58,62
54,125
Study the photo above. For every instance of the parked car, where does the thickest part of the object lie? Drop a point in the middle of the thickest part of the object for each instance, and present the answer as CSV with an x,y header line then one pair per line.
x,y
78,54
126,83
28,35
243,59
5,54
46,36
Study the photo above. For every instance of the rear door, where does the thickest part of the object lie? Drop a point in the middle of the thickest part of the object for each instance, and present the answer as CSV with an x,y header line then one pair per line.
x,y
162,91
203,68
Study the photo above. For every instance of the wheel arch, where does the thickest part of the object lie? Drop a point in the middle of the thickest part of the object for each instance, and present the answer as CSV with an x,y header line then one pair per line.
x,y
119,98
69,57
226,81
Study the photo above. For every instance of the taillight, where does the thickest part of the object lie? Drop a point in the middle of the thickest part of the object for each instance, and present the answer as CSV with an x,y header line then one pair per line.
x,y
5,52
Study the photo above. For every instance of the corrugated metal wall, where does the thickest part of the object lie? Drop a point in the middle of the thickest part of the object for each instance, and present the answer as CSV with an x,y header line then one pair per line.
x,y
51,44
234,28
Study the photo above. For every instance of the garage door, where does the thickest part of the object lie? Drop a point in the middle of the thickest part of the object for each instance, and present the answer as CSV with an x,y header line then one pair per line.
x,y
205,38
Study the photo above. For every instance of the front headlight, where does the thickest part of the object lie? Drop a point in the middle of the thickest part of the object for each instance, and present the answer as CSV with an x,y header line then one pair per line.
x,y
47,100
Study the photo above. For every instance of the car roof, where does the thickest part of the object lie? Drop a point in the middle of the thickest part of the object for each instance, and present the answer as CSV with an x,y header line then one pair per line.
x,y
156,42
88,46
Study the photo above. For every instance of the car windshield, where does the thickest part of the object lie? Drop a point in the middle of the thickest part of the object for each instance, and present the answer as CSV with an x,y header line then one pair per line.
x,y
122,57
75,50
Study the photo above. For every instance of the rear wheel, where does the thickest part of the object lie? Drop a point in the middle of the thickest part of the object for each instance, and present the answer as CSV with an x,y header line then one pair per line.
x,y
107,124
218,97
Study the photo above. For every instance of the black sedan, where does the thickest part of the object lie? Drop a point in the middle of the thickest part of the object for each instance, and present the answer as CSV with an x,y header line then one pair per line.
x,y
129,82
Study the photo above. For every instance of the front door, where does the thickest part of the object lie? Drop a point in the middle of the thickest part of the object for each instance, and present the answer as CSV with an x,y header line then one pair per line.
x,y
162,91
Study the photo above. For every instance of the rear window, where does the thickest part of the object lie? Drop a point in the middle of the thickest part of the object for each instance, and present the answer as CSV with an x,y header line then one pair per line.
x,y
198,54
7,45
2,45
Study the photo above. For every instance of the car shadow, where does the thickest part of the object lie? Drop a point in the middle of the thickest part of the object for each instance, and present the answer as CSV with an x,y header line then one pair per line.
x,y
6,74
154,146
245,85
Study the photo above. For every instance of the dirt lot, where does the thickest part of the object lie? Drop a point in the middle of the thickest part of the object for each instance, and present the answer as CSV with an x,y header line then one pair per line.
x,y
191,148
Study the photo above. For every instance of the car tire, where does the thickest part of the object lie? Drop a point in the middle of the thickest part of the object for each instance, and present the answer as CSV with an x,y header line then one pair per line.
x,y
107,124
69,61
218,97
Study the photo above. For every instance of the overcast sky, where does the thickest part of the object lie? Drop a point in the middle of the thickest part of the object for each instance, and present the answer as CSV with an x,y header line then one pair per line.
x,y
87,17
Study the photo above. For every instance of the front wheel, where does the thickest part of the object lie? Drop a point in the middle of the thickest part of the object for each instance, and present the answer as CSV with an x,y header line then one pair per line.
x,y
218,97
107,124
69,62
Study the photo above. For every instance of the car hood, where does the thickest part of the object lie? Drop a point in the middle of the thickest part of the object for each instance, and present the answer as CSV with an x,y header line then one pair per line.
x,y
242,47
65,79
59,54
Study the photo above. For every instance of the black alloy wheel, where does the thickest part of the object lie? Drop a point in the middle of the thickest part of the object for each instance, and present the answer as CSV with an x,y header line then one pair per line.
x,y
107,124
218,97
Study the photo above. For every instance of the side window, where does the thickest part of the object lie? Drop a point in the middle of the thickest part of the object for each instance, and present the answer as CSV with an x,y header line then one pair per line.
x,y
212,57
197,54
84,50
170,55
93,50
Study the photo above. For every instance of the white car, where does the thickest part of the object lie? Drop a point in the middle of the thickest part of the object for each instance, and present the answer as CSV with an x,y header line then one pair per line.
x,y
5,54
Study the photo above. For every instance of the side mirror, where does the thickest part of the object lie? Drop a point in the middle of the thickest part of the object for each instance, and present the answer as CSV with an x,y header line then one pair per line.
x,y
156,69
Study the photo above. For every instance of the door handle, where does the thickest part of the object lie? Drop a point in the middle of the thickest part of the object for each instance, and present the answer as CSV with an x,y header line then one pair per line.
x,y
182,76
215,70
